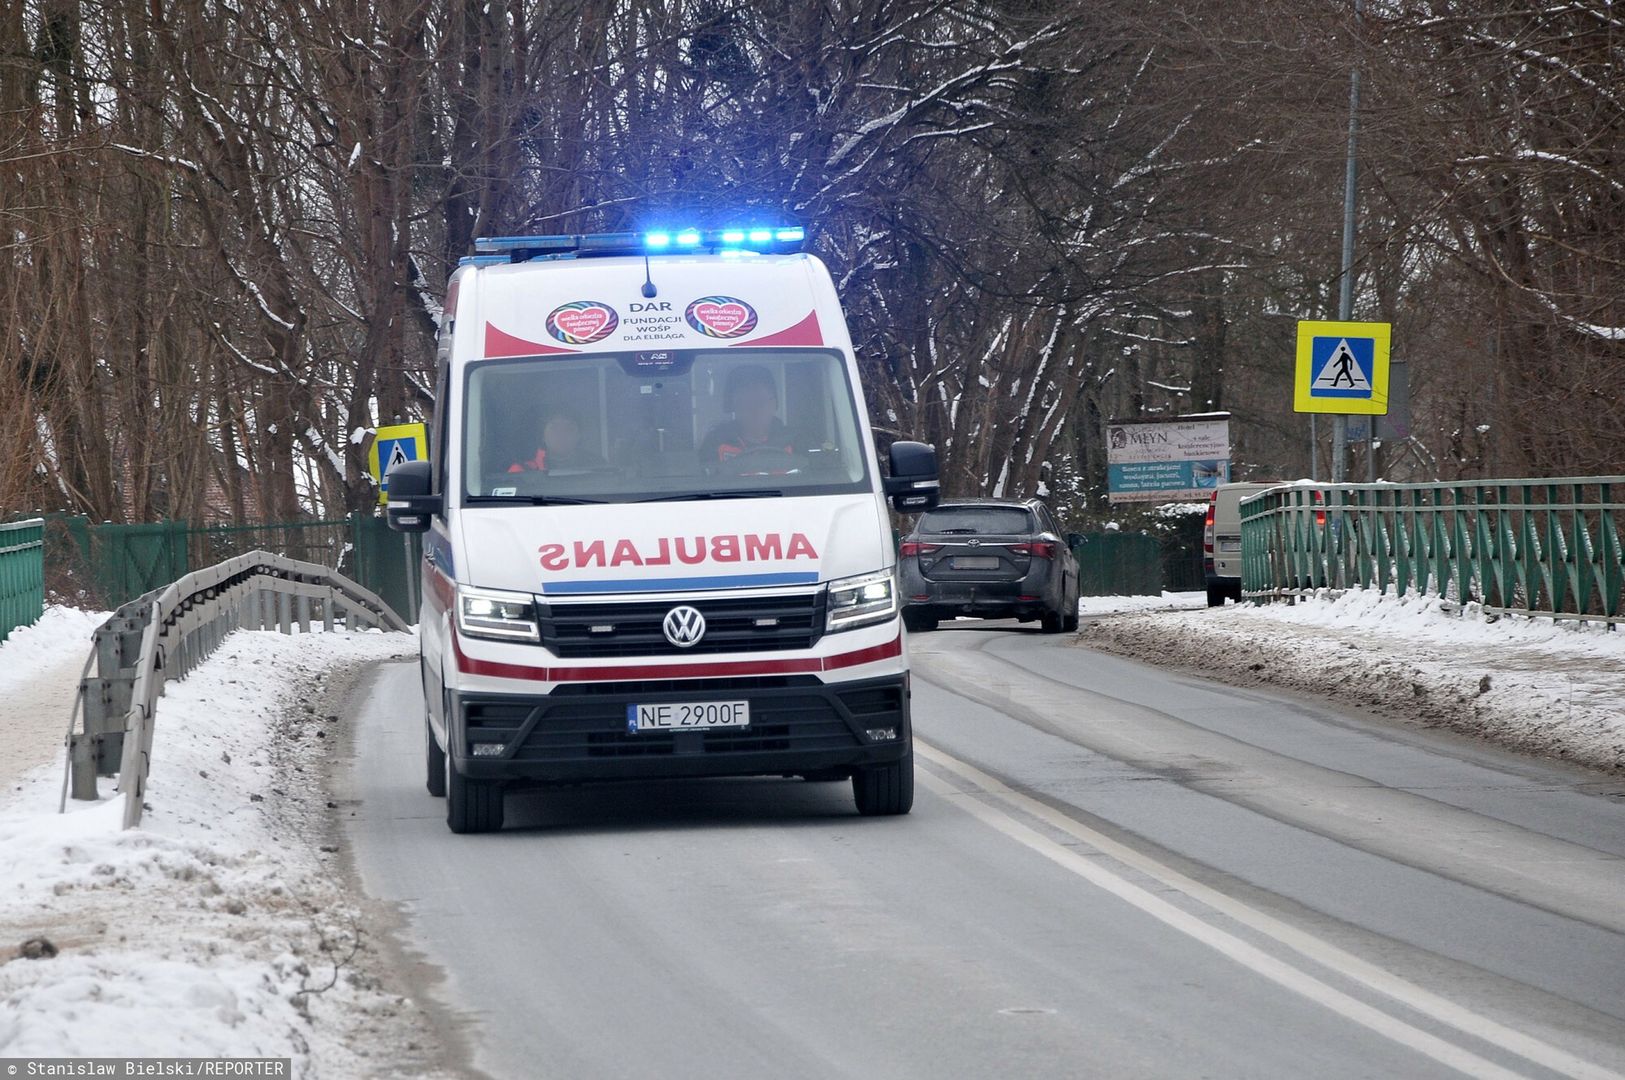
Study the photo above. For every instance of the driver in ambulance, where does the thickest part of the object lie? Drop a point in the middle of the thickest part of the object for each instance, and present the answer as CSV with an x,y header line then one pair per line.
x,y
753,399
561,447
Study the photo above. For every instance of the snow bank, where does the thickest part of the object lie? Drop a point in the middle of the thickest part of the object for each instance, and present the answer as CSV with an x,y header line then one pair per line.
x,y
39,673
224,926
1541,686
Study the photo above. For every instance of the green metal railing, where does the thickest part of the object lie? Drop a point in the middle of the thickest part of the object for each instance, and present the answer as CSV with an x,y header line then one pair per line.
x,y
1530,547
108,565
22,574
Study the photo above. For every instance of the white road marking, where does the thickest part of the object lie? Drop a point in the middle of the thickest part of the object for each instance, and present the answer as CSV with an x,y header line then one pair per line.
x,y
1344,963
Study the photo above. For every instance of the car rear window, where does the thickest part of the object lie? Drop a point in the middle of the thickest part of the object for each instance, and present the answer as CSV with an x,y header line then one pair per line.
x,y
968,520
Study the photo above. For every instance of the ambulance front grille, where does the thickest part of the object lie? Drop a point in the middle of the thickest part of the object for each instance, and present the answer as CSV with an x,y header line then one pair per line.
x,y
732,625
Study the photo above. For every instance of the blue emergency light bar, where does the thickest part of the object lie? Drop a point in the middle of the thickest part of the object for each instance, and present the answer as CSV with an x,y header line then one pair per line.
x,y
738,241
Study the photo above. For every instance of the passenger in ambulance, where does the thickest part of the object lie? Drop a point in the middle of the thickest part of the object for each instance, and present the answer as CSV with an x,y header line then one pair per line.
x,y
755,433
562,447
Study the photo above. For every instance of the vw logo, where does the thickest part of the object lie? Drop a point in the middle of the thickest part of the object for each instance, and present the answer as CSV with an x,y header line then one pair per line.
x,y
684,626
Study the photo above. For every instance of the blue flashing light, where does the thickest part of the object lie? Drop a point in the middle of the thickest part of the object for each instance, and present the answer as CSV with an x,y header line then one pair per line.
x,y
489,250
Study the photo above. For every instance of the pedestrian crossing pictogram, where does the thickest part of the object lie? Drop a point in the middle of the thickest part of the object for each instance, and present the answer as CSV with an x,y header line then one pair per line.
x,y
1343,369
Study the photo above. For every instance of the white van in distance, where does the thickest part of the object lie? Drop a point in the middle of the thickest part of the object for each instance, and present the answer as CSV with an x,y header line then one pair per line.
x,y
1221,540
656,540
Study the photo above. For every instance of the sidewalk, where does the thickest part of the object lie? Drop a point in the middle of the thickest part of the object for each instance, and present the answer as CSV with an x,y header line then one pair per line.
x,y
39,674
1548,687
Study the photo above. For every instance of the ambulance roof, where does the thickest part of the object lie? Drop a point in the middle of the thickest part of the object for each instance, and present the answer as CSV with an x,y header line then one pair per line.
x,y
547,306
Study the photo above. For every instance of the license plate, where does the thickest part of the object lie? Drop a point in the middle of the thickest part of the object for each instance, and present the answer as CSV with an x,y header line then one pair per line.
x,y
976,562
687,716
1229,545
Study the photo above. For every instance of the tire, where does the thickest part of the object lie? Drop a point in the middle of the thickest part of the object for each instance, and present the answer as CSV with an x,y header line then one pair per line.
x,y
1235,592
1215,595
435,762
472,806
1052,622
919,624
1070,623
884,790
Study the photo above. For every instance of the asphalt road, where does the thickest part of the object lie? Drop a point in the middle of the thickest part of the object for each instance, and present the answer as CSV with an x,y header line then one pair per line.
x,y
1109,871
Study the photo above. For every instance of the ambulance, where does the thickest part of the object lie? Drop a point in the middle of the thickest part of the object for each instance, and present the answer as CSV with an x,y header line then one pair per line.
x,y
655,531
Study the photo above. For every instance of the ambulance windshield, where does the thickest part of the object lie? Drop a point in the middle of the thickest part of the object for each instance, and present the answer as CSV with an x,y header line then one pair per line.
x,y
652,426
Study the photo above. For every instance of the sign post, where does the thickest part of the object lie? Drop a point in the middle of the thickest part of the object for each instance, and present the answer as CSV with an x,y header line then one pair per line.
x,y
397,443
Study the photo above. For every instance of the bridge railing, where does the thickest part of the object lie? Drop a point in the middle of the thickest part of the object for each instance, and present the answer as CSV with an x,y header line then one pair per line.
x,y
168,632
1531,547
22,574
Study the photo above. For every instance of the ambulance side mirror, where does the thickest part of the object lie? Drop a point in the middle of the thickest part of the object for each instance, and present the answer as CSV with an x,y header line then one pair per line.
x,y
912,485
410,505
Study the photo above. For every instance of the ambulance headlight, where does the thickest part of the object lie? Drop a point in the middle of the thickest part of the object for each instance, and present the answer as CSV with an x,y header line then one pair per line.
x,y
860,601
506,616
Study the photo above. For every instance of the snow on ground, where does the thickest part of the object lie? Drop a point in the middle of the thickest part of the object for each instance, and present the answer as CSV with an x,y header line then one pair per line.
x,y
1092,606
1542,686
226,925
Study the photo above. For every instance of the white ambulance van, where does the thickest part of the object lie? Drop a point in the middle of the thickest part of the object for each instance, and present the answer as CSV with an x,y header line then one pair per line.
x,y
656,540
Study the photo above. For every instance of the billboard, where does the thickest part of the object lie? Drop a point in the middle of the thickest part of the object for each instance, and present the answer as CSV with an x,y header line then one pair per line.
x,y
1168,460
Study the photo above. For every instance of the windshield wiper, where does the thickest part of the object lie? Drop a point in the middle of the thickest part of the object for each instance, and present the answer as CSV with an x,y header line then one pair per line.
x,y
533,500
696,496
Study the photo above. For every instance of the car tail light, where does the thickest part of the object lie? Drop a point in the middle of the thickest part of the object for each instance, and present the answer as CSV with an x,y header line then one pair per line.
x,y
914,547
1207,524
1038,549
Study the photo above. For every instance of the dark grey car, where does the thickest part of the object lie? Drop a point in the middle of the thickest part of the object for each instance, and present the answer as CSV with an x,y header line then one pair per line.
x,y
989,559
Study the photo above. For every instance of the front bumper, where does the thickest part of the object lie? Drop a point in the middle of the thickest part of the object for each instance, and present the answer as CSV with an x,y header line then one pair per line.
x,y
577,732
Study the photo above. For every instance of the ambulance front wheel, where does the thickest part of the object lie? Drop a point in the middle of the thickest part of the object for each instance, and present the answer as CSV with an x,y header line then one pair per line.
x,y
472,806
881,790
434,760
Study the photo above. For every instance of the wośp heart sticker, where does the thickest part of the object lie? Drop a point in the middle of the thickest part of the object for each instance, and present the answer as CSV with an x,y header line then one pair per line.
x,y
582,322
721,316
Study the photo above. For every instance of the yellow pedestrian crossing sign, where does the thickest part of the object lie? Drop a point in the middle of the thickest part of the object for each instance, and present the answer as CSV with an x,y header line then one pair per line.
x,y
395,443
1342,368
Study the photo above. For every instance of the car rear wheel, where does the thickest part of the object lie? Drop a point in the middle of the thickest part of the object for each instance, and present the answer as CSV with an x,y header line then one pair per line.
x,y
1052,622
1070,623
919,623
881,790
1215,596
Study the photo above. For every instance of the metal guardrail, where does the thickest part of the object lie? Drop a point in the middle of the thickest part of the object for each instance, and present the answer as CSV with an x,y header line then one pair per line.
x,y
22,574
1529,547
168,632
